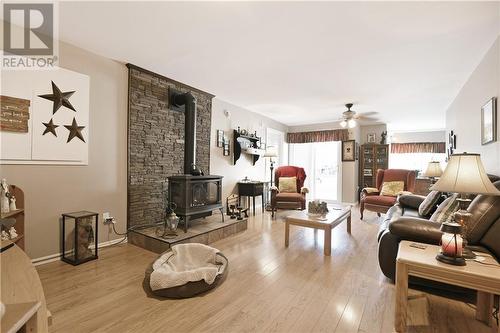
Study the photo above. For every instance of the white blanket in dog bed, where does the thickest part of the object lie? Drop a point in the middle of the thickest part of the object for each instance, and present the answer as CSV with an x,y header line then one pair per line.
x,y
185,263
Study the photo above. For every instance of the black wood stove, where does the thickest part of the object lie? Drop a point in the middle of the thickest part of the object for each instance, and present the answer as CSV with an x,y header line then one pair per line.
x,y
194,194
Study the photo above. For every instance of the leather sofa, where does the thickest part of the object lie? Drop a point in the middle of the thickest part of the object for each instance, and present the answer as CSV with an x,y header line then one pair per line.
x,y
402,222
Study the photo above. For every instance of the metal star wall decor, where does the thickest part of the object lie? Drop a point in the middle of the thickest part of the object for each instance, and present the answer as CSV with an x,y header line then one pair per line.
x,y
75,130
59,98
50,128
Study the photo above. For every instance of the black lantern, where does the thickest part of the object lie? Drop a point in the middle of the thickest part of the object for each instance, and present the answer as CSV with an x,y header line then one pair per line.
x,y
79,237
451,244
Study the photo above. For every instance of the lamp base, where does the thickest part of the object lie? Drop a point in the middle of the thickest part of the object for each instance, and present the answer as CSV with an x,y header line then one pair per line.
x,y
457,261
468,254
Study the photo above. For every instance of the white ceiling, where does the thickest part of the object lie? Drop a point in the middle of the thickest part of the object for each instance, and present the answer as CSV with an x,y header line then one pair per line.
x,y
299,62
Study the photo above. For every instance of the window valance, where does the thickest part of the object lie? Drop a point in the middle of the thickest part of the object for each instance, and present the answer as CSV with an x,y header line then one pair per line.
x,y
418,147
318,136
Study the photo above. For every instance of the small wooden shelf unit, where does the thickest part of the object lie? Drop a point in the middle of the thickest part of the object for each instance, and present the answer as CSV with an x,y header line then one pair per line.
x,y
18,214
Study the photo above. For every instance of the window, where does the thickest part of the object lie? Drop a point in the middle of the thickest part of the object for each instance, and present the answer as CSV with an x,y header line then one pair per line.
x,y
276,139
414,161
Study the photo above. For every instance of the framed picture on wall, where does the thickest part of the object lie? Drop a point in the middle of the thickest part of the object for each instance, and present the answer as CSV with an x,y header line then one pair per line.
x,y
220,138
226,150
348,150
371,138
489,122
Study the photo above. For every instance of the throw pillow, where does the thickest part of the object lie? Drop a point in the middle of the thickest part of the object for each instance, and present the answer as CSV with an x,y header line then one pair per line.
x,y
288,184
392,188
444,213
370,190
428,206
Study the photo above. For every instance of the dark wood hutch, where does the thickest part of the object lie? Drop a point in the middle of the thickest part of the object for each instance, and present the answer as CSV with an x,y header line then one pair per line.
x,y
372,157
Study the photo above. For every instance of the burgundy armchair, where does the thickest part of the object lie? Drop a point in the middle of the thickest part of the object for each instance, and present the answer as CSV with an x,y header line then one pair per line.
x,y
372,200
296,200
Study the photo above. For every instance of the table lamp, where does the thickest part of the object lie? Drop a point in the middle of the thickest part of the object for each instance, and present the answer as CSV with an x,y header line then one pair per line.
x,y
465,175
271,152
433,170
451,244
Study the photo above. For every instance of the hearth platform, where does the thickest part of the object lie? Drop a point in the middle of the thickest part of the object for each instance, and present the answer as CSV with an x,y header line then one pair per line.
x,y
204,230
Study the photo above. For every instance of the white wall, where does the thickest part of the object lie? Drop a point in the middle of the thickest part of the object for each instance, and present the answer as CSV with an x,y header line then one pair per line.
x,y
223,165
407,137
350,172
464,114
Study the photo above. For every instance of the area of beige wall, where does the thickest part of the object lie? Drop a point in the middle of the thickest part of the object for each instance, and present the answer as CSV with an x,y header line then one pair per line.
x,y
101,185
223,165
464,114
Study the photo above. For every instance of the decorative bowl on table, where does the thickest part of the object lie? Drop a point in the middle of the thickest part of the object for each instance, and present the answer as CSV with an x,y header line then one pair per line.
x,y
317,209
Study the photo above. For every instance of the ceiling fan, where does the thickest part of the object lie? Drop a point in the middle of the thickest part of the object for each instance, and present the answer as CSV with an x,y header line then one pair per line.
x,y
349,117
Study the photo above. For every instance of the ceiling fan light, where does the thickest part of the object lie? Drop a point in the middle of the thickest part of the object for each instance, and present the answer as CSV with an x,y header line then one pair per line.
x,y
351,123
343,123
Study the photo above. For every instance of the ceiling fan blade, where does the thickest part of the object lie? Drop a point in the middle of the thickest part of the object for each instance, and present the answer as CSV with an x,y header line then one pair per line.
x,y
369,118
369,113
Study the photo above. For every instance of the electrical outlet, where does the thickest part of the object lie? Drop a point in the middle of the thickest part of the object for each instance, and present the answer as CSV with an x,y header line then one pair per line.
x,y
107,218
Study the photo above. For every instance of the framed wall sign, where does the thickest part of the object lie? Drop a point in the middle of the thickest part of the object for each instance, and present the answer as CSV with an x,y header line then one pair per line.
x,y
348,150
226,150
489,122
45,117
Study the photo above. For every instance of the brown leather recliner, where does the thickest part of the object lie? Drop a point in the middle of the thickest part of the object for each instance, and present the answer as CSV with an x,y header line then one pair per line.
x,y
296,200
372,200
403,222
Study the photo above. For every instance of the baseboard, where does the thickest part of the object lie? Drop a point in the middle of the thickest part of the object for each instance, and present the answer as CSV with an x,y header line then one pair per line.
x,y
57,256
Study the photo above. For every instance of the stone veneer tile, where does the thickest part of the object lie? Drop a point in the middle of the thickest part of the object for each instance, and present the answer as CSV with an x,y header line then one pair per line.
x,y
156,143
215,235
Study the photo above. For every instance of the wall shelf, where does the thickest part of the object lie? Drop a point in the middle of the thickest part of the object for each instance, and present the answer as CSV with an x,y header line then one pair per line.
x,y
12,213
248,142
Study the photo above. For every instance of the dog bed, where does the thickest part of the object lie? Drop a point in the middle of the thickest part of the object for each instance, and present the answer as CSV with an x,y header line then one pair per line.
x,y
186,270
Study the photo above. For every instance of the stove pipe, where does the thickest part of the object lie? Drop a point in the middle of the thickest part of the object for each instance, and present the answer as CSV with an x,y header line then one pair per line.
x,y
177,100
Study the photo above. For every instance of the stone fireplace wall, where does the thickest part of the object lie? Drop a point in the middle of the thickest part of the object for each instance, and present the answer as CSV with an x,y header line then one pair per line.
x,y
156,142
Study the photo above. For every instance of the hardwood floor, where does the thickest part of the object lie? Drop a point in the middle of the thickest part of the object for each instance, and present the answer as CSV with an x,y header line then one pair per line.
x,y
269,288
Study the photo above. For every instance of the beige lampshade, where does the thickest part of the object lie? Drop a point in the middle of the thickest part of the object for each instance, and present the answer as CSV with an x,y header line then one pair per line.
x,y
465,174
433,169
271,151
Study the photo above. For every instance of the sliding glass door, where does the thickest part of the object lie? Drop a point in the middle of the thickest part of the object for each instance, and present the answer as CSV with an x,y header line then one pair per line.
x,y
321,161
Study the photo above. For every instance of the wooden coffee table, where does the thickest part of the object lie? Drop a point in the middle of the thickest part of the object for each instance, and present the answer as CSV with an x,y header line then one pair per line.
x,y
483,277
337,213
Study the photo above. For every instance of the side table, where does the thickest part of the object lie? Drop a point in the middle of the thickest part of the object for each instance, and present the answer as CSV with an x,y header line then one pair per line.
x,y
251,189
483,277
